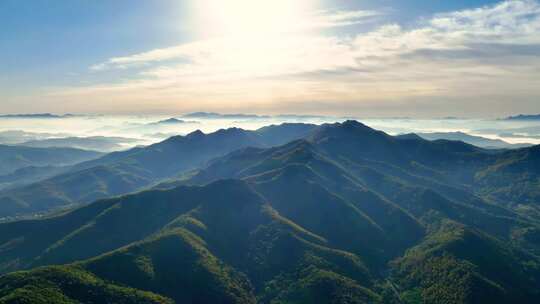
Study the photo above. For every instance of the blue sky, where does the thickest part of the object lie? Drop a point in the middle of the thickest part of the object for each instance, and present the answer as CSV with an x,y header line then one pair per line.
x,y
228,55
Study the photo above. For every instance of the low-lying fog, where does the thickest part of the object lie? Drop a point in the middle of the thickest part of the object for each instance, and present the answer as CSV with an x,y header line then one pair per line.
x,y
110,133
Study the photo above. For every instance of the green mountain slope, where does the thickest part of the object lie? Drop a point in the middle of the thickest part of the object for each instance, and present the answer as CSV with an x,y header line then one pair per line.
x,y
456,264
522,168
346,215
69,284
408,197
222,243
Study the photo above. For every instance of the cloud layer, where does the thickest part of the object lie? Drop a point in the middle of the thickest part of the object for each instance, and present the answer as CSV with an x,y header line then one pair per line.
x,y
477,58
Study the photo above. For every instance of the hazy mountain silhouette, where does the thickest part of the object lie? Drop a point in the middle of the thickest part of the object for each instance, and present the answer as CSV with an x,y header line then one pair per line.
x,y
123,172
212,115
13,158
28,175
524,117
38,116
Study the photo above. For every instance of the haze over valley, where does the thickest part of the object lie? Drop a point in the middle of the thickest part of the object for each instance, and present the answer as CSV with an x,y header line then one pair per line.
x,y
270,152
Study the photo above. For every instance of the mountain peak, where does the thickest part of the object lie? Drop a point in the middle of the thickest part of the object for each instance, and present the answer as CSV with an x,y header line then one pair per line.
x,y
345,129
171,121
230,130
194,134
356,126
198,134
353,123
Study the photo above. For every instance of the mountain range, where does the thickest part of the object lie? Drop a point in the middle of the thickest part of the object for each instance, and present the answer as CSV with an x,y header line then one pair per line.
x,y
524,117
338,213
212,115
127,171
37,115
287,117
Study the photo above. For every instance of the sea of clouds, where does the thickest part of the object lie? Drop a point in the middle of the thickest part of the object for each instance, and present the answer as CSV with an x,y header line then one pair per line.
x,y
135,130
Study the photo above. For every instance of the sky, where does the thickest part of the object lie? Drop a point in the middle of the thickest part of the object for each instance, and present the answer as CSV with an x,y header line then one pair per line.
x,y
386,58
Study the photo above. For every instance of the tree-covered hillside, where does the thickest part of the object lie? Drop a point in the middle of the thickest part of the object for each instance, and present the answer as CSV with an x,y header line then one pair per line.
x,y
347,214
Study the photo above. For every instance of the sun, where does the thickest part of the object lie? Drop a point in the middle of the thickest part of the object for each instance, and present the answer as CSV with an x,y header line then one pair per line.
x,y
253,39
251,17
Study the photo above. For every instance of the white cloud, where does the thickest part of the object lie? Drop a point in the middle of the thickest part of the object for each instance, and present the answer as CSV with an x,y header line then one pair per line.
x,y
314,20
480,51
324,19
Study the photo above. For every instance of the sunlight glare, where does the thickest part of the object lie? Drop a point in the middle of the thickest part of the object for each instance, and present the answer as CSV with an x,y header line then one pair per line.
x,y
249,17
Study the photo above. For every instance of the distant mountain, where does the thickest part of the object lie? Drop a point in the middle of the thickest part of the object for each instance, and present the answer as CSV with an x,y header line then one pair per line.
x,y
211,115
123,172
173,121
96,143
40,116
28,175
471,139
347,214
13,158
524,117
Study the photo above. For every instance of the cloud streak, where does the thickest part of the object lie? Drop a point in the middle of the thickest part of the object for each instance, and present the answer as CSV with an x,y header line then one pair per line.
x,y
315,20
